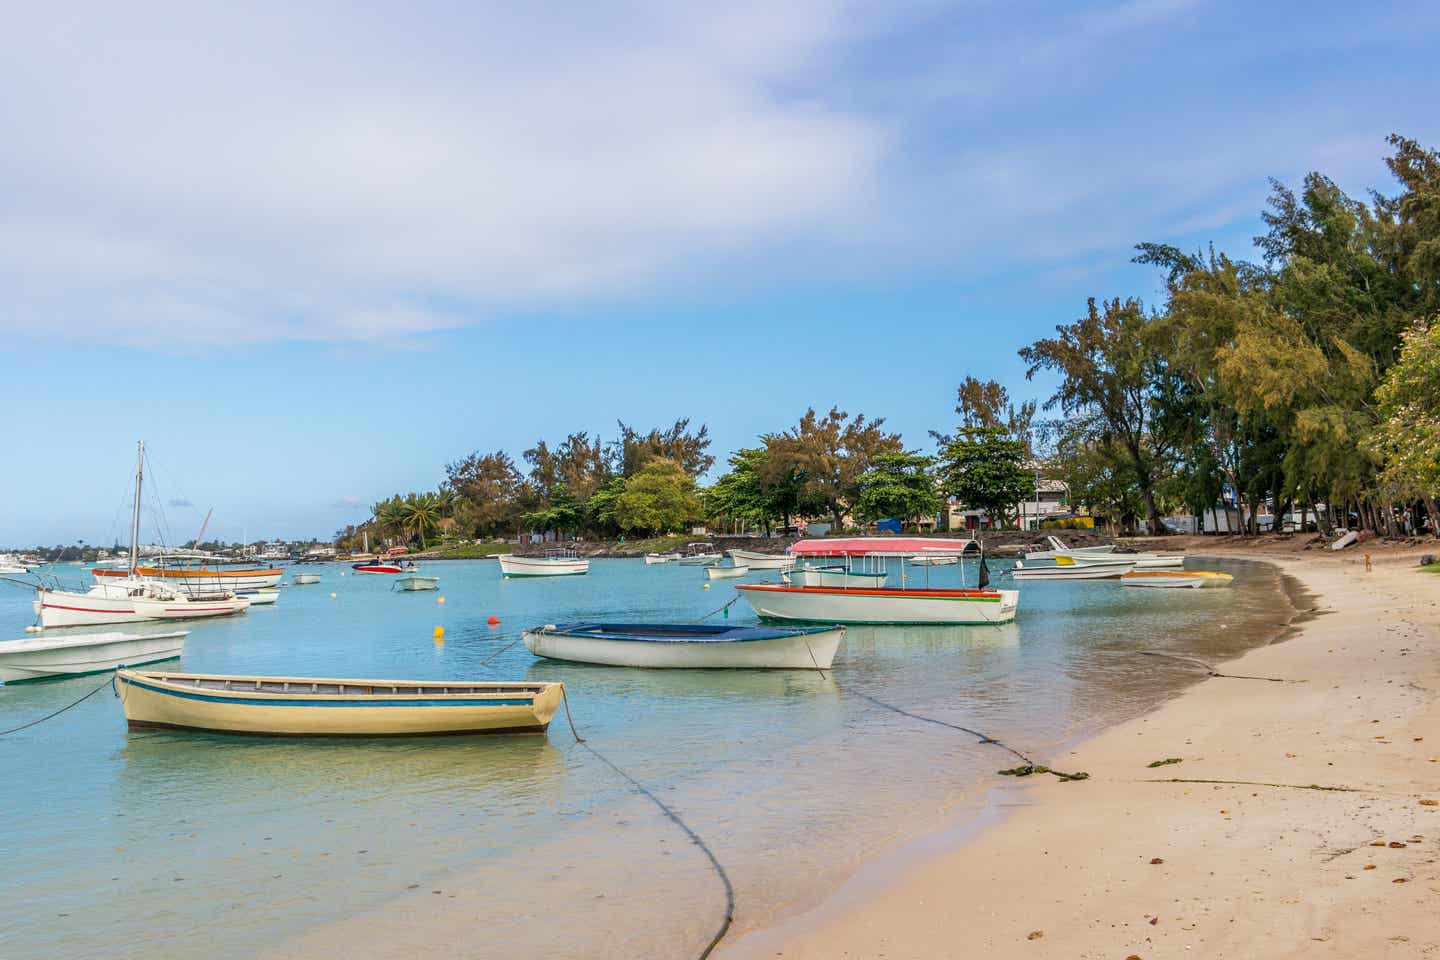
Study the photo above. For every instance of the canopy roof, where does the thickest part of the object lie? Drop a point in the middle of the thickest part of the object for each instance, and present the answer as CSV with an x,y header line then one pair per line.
x,y
883,547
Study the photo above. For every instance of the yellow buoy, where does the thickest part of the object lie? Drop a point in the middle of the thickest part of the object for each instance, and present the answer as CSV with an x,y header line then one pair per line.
x,y
439,634
707,586
440,600
332,596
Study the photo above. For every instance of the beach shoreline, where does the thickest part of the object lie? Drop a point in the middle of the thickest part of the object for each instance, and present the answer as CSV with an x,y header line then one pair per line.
x,y
1136,862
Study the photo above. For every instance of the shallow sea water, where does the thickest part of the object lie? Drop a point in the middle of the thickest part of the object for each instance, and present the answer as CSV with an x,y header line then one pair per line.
x,y
158,844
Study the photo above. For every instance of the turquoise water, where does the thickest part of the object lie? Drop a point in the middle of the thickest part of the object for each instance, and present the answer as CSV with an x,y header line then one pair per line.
x,y
148,843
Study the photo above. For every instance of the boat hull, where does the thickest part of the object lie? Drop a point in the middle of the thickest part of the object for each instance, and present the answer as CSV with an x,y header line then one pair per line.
x,y
202,581
725,573
174,700
700,560
1176,579
61,608
49,658
1099,571
412,583
512,567
796,650
303,578
761,561
859,605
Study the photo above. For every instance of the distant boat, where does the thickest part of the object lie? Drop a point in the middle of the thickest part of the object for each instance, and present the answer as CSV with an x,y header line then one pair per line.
x,y
761,561
307,706
42,658
416,582
700,554
1074,571
1057,547
377,566
835,575
725,573
653,558
1192,579
934,560
696,646
262,597
556,563
303,578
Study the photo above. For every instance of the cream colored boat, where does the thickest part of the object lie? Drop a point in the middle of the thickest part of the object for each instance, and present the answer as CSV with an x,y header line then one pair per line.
x,y
316,707
726,573
1193,579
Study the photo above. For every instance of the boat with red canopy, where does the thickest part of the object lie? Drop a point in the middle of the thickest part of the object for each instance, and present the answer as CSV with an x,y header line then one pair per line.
x,y
881,604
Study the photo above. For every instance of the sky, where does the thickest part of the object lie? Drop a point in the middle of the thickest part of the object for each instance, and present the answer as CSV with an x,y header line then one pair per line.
x,y
311,253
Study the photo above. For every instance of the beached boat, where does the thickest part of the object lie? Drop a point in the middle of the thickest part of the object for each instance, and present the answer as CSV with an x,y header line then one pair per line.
x,y
1180,579
41,658
556,563
725,573
1057,548
700,554
761,561
416,582
316,707
835,576
687,645
1073,571
653,558
304,578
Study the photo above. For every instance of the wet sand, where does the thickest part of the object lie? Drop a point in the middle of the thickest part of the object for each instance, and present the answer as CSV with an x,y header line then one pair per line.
x,y
1295,823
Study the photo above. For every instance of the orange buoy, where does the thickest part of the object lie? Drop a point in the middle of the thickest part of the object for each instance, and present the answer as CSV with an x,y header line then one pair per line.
x,y
493,621
440,601
332,596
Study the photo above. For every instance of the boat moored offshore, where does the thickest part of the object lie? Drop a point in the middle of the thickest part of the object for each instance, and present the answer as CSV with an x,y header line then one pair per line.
x,y
761,561
43,658
555,563
691,645
1182,579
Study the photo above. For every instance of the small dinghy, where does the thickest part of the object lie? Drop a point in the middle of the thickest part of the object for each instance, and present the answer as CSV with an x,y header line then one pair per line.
x,y
311,707
761,561
726,573
259,598
1099,570
302,578
687,645
43,658
1183,579
415,582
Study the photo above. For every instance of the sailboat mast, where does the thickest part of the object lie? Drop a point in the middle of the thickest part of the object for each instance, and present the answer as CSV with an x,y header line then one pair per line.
x,y
135,517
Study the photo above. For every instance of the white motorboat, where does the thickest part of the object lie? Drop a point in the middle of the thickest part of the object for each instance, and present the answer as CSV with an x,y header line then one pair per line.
x,y
653,558
725,573
414,582
261,597
1073,571
761,561
556,563
1058,548
834,576
1179,579
693,646
40,658
304,578
700,554
12,568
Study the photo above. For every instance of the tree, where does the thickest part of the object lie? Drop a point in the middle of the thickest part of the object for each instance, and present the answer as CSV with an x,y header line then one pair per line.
x,y
985,403
563,513
830,453
660,498
1407,439
1110,369
678,443
897,485
985,469
740,494
488,486
420,514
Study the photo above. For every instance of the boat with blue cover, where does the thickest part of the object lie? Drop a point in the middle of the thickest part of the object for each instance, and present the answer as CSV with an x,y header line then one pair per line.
x,y
687,645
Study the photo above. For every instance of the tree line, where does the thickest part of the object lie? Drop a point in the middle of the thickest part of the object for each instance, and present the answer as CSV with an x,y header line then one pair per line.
x,y
1307,382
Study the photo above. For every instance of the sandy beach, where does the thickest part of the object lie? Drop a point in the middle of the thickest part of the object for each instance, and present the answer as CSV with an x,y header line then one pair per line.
x,y
1301,820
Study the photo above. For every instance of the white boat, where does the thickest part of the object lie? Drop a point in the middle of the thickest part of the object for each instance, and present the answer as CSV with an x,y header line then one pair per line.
x,y
201,580
303,578
694,646
557,563
1142,561
933,561
1074,571
725,573
12,568
700,554
417,582
835,576
1058,548
653,558
261,597
1179,579
761,561
1346,540
39,658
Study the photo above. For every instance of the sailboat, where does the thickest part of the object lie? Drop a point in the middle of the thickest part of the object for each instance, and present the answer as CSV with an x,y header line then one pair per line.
x,y
131,598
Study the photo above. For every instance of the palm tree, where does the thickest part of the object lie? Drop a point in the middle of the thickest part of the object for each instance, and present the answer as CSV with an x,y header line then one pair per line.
x,y
421,513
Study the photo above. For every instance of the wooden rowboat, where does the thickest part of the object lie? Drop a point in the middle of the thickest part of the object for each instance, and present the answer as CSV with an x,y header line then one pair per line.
x,y
726,573
314,707
687,645
1192,579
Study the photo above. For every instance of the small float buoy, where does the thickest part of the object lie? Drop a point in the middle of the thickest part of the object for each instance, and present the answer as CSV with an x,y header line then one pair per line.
x,y
32,629
493,620
440,601
705,586
332,596
439,634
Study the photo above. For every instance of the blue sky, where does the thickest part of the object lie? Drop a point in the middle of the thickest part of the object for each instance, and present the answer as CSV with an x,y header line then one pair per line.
x,y
309,256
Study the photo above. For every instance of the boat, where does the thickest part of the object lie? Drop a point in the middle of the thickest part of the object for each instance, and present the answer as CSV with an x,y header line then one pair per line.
x,y
12,568
876,604
725,573
1142,561
700,554
1057,547
761,561
835,576
42,658
304,578
261,597
1182,579
377,566
556,563
318,707
653,558
412,581
1073,571
687,645
933,561
125,596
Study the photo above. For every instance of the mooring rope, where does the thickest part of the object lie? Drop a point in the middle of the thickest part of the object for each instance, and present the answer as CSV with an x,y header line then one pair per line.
x,y
33,723
1209,668
725,606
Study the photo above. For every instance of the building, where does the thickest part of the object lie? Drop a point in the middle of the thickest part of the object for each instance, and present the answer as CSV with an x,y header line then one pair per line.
x,y
1050,503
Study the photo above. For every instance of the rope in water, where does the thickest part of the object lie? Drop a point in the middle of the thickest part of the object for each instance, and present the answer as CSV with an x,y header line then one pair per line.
x,y
1210,668
725,606
48,716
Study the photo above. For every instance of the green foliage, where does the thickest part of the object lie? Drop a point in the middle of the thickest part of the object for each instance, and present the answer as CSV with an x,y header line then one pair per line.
x,y
986,470
660,498
1407,438
824,457
897,485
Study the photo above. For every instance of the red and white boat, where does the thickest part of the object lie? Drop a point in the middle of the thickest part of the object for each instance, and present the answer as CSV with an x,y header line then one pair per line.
x,y
845,604
377,566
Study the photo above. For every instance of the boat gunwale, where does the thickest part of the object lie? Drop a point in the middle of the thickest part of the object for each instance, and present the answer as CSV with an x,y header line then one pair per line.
x,y
918,593
163,682
718,636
